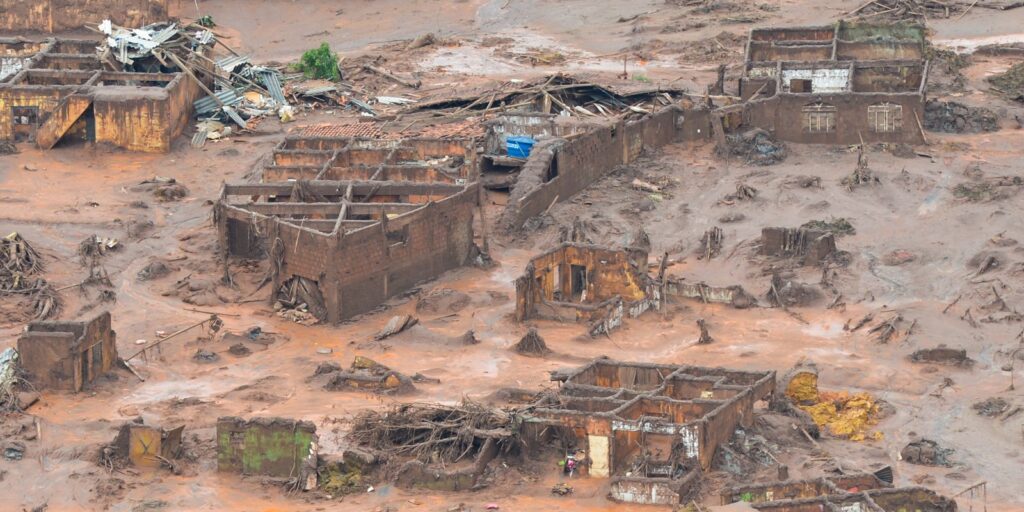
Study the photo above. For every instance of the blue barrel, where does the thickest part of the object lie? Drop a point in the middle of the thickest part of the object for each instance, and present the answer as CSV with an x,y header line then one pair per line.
x,y
519,146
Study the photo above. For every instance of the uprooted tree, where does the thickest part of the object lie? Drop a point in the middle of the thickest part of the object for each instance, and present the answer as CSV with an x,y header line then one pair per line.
x,y
436,433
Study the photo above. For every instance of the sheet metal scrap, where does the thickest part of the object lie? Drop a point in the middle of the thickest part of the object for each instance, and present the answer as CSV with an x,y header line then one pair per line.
x,y
562,94
130,45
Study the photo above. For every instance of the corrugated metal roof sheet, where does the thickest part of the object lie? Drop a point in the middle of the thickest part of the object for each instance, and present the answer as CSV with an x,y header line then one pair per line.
x,y
272,81
230,63
208,105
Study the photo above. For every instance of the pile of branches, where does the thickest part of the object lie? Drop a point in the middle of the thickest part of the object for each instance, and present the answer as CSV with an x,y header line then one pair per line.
x,y
909,9
432,433
20,266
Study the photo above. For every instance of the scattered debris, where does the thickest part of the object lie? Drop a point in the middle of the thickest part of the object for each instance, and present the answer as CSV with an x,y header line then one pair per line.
x,y
1010,83
94,247
756,146
561,489
154,270
8,148
14,450
786,291
991,407
532,344
364,374
861,176
442,300
396,325
205,356
989,188
240,350
887,329
926,452
10,380
952,117
909,10
942,355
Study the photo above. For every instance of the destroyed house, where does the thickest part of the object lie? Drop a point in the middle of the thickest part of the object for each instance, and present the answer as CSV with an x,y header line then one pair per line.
x,y
578,282
376,218
67,356
60,15
834,84
651,428
60,89
585,283
857,492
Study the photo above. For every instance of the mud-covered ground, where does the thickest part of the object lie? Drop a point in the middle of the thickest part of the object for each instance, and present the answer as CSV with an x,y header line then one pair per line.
x,y
921,233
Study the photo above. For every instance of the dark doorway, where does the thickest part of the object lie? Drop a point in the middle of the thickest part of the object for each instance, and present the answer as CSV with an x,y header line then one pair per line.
x,y
578,275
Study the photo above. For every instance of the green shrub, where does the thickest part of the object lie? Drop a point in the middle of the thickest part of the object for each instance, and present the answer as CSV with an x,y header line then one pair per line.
x,y
320,63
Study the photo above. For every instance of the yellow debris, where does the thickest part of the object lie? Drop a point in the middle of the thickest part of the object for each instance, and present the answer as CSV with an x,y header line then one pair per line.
x,y
846,415
803,388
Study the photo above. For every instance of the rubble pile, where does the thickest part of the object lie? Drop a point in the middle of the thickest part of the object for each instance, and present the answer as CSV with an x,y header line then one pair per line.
x,y
1010,83
563,95
953,117
841,414
756,147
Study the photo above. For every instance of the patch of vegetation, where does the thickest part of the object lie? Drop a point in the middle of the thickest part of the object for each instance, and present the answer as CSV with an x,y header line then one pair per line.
x,y
320,63
336,482
838,226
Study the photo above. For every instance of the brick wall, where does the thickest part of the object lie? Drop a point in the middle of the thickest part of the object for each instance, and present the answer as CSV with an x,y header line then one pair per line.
x,y
582,159
61,15
782,116
358,270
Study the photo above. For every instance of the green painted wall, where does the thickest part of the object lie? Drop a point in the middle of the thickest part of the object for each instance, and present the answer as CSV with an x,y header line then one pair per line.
x,y
274,448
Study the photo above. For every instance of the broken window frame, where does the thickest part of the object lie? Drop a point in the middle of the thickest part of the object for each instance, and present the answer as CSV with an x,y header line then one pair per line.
x,y
24,115
890,114
819,117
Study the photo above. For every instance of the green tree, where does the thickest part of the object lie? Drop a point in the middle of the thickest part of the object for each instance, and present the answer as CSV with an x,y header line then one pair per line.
x,y
320,63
